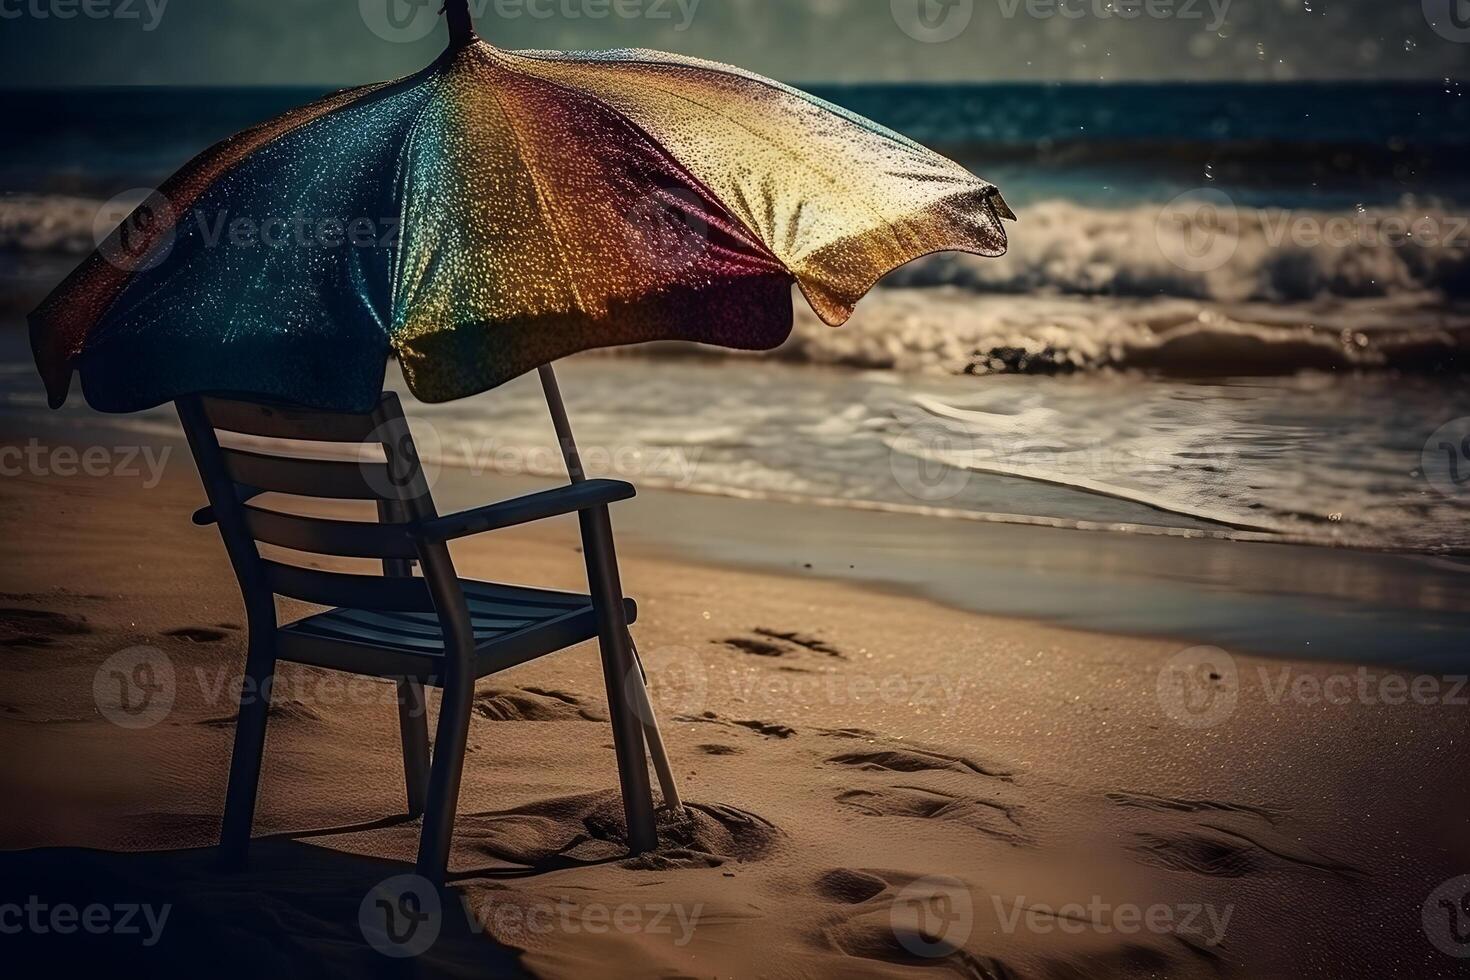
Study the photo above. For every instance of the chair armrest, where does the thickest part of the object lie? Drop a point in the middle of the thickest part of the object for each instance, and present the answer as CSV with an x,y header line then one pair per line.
x,y
524,510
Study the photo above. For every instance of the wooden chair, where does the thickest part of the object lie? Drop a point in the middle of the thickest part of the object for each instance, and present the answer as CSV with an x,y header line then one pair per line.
x,y
434,630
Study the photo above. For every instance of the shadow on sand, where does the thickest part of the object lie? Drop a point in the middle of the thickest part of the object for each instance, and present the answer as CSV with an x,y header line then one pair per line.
x,y
297,911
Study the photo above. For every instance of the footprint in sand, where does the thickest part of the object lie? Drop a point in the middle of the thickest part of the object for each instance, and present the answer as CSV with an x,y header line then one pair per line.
x,y
940,923
1167,804
533,704
861,734
1220,852
850,887
1223,839
281,710
575,829
993,818
197,634
755,646
769,729
37,627
908,759
776,643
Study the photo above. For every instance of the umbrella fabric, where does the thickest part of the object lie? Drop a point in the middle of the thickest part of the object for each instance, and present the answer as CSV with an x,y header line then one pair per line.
x,y
492,213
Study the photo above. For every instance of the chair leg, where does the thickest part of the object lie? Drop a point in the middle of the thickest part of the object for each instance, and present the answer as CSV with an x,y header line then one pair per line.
x,y
618,666
643,705
444,778
255,703
413,722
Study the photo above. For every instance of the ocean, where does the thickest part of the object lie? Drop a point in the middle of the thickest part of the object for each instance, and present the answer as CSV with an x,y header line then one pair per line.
x,y
1236,311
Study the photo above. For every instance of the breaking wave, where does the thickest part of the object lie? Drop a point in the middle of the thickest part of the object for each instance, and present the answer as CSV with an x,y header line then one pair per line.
x,y
1197,287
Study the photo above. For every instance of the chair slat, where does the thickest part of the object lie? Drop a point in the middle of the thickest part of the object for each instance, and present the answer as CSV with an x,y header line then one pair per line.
x,y
322,588
342,539
281,422
335,479
410,625
348,632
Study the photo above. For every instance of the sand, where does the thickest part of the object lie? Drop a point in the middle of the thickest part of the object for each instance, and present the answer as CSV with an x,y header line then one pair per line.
x,y
878,786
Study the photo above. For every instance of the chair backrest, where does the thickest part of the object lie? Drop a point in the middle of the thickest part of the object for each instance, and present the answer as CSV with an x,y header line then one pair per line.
x,y
304,453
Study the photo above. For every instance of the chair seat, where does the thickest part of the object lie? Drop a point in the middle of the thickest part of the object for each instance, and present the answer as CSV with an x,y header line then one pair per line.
x,y
512,625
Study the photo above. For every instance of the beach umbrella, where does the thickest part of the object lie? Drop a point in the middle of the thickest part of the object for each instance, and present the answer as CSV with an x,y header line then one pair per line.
x,y
490,214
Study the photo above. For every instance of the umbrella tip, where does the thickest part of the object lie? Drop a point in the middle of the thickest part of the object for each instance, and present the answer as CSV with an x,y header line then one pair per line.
x,y
461,24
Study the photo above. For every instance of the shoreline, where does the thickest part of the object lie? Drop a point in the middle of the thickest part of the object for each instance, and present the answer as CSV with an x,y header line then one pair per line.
x,y
1283,600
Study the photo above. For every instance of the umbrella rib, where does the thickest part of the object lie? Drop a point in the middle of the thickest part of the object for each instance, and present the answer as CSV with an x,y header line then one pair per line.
x,y
657,145
543,203
399,183
887,222
731,71
345,99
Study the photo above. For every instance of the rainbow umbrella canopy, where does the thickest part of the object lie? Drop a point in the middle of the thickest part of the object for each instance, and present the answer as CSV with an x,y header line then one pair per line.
x,y
492,213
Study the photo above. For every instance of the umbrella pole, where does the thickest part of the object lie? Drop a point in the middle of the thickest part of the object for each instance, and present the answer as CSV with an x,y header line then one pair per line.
x,y
644,708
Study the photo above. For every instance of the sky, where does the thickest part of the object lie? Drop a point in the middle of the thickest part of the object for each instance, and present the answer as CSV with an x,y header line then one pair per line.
x,y
340,42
